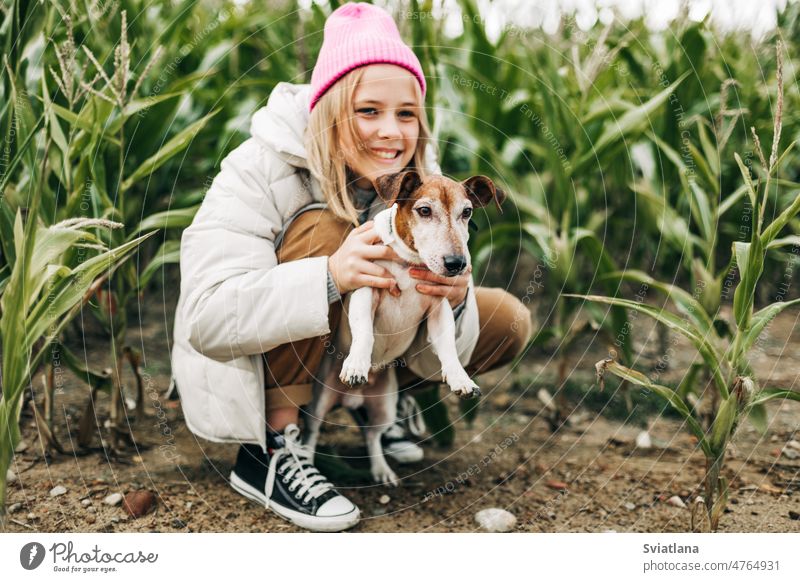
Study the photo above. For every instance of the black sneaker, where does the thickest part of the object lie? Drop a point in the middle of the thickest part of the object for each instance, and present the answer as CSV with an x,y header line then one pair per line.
x,y
396,440
287,482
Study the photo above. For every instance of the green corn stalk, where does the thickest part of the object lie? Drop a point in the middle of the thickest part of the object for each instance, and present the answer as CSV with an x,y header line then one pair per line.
x,y
99,120
41,294
725,359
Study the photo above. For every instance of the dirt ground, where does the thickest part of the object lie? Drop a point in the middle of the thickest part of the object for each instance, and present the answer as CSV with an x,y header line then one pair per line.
x,y
587,477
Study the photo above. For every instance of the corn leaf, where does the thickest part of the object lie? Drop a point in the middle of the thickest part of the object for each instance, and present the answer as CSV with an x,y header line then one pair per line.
x,y
668,394
708,351
167,151
631,123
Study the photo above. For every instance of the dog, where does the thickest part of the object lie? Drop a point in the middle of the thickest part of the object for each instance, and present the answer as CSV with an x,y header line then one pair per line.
x,y
426,223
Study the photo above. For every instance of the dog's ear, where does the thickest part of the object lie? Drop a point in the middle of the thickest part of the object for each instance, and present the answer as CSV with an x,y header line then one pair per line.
x,y
397,187
481,190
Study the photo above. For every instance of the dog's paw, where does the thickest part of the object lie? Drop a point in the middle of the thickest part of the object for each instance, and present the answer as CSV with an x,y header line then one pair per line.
x,y
355,370
462,385
385,476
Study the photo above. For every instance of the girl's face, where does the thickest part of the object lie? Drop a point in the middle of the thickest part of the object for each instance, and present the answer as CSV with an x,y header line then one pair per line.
x,y
385,108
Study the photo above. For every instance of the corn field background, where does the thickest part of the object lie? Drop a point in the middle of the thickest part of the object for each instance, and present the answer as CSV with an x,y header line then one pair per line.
x,y
652,229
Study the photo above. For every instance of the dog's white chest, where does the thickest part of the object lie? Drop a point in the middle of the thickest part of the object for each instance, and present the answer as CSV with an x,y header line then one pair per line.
x,y
397,319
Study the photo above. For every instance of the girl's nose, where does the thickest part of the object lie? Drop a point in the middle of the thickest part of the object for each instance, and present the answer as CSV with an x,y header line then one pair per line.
x,y
389,128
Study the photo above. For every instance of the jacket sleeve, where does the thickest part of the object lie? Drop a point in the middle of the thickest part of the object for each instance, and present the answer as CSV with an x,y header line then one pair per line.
x,y
238,300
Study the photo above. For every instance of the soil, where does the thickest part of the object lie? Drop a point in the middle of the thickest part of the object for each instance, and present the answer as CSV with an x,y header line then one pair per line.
x,y
589,476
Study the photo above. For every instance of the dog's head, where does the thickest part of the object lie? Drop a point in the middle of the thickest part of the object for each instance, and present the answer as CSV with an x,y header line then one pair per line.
x,y
433,215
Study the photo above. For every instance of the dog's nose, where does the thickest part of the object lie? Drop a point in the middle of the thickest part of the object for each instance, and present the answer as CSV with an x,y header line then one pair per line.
x,y
454,264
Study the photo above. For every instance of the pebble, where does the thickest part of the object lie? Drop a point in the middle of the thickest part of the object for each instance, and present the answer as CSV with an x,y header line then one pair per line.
x,y
546,399
21,447
15,507
31,516
86,502
11,477
794,444
791,453
384,499
630,506
557,485
90,518
137,503
58,490
113,499
495,520
794,515
676,501
91,510
643,440
115,519
188,504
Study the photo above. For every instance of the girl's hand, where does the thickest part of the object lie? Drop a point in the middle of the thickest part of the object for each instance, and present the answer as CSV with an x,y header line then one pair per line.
x,y
351,266
453,288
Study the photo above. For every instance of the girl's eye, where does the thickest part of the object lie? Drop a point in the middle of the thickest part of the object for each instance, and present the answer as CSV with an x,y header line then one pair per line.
x,y
467,213
424,211
366,109
407,114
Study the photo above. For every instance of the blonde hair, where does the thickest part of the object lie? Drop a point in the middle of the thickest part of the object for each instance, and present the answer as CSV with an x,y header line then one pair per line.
x,y
330,118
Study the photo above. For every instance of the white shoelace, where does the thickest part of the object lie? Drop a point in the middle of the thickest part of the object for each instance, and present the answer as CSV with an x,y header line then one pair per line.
x,y
296,465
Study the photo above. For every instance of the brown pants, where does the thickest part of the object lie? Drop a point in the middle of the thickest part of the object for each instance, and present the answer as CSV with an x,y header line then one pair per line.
x,y
505,323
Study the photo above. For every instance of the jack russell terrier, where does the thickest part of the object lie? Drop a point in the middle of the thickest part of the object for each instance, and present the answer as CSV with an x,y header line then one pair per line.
x,y
426,223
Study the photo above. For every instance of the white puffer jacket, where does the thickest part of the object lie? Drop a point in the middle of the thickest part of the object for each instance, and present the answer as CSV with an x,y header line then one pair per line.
x,y
237,302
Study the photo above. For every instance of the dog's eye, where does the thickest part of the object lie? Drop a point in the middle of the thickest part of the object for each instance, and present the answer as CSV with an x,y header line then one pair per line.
x,y
467,213
424,211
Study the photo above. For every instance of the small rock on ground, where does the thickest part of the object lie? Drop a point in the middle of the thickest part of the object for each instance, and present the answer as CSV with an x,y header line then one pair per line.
x,y
676,501
495,520
113,499
58,490
643,440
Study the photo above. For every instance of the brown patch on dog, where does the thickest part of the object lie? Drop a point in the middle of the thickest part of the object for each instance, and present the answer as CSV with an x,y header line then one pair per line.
x,y
404,223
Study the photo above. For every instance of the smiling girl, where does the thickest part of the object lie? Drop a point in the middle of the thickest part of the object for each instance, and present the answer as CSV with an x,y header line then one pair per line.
x,y
283,232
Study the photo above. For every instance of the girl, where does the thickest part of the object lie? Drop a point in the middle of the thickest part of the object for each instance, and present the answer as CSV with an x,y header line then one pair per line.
x,y
282,234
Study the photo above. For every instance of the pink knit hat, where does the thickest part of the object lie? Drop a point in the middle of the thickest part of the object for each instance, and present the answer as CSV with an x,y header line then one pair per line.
x,y
358,34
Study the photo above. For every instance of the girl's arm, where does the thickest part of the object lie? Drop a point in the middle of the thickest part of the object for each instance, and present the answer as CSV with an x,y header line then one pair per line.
x,y
238,300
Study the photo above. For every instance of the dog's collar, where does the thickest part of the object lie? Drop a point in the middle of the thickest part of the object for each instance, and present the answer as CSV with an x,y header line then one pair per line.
x,y
386,226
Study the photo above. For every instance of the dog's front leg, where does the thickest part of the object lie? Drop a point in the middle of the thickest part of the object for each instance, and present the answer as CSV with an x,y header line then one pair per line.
x,y
442,331
355,369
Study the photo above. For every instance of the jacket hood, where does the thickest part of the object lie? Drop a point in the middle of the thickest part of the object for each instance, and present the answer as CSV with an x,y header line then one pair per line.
x,y
282,122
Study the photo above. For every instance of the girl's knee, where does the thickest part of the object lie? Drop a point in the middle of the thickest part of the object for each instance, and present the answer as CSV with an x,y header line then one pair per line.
x,y
510,317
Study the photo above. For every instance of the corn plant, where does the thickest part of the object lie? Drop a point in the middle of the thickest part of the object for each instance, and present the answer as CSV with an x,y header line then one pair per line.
x,y
100,162
725,359
552,129
41,291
